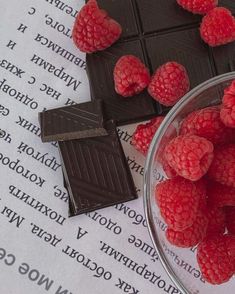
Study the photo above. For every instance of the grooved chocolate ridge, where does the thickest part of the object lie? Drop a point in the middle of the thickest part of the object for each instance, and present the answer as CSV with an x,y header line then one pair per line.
x,y
96,172
72,122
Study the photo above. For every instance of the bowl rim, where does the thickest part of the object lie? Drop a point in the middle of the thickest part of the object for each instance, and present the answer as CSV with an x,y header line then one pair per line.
x,y
147,168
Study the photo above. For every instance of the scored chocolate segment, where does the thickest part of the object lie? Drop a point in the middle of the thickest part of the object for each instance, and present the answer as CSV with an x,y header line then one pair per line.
x,y
73,122
100,71
96,172
123,12
185,47
158,15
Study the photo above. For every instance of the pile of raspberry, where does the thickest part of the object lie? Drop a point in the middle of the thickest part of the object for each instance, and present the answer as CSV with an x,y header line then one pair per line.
x,y
197,201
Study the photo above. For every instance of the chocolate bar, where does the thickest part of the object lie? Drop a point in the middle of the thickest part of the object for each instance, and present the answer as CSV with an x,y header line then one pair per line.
x,y
96,172
156,32
73,122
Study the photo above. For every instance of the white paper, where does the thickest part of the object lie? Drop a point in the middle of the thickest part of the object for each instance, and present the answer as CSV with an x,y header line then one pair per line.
x,y
39,245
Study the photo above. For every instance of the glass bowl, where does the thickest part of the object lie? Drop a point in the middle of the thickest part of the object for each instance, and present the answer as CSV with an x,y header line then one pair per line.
x,y
179,263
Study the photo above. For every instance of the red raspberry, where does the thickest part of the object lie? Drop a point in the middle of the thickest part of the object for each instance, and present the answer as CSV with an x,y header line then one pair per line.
x,y
216,218
227,113
218,27
190,156
144,133
169,83
178,200
230,219
93,29
214,260
206,123
222,168
220,195
198,6
192,235
130,76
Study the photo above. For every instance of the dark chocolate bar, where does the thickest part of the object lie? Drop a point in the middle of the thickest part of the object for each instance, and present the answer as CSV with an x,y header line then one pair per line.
x,y
73,122
156,31
96,172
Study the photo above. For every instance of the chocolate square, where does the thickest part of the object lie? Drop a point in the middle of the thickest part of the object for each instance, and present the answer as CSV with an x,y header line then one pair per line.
x,y
185,47
123,12
96,172
73,122
158,15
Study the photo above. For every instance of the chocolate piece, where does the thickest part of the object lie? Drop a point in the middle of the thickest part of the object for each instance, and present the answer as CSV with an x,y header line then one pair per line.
x,y
72,122
123,12
185,47
96,172
159,15
156,31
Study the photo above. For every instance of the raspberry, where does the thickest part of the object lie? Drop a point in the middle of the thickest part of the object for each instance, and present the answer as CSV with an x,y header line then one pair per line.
x,y
93,29
214,260
220,195
192,235
206,123
227,113
218,27
190,156
130,76
144,133
216,218
169,83
178,200
198,6
230,219
222,168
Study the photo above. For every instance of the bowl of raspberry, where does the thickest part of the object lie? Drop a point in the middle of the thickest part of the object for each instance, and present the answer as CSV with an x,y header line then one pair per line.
x,y
189,189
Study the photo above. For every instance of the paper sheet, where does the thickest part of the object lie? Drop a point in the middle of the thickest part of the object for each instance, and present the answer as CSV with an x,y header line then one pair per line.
x,y
41,249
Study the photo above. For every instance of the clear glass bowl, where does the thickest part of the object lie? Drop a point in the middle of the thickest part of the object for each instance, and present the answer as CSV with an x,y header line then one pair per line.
x,y
179,263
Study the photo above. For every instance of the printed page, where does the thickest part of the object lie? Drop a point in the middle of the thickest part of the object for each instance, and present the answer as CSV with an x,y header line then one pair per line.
x,y
41,249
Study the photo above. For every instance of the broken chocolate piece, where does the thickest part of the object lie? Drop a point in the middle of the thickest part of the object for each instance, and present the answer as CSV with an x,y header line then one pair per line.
x,y
96,172
73,122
